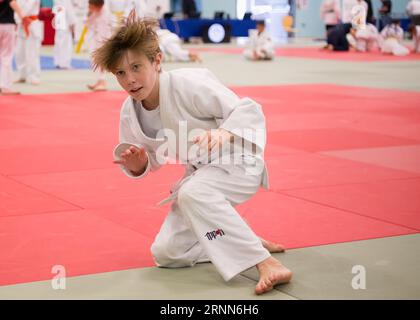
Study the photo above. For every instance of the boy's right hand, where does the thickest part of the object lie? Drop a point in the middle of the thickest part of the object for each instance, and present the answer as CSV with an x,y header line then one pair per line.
x,y
133,159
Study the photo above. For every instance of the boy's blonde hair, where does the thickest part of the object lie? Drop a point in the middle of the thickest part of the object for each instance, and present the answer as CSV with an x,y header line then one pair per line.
x,y
135,34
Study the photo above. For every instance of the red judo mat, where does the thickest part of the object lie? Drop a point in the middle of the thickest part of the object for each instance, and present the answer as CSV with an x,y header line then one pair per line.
x,y
317,53
63,201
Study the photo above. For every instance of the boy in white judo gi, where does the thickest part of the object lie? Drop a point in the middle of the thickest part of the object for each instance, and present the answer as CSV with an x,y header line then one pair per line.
x,y
99,24
195,110
391,39
260,45
64,25
30,33
7,44
170,45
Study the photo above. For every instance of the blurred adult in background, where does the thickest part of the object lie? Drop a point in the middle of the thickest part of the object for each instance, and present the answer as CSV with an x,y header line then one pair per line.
x,y
330,13
189,9
348,5
30,33
385,14
413,11
370,18
7,43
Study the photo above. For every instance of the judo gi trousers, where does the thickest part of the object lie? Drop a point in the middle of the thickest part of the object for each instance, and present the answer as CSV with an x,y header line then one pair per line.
x,y
203,224
28,58
7,43
394,47
63,48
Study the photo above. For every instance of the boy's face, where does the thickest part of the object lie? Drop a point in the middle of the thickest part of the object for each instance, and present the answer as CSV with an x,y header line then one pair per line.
x,y
260,27
137,75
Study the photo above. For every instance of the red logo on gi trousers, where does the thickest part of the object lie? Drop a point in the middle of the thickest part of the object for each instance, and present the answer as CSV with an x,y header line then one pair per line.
x,y
213,234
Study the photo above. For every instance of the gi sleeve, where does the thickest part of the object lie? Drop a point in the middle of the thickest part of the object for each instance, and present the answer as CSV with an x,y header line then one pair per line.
x,y
127,138
211,99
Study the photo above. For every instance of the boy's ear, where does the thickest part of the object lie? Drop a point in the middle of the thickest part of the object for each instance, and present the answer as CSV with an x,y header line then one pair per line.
x,y
158,61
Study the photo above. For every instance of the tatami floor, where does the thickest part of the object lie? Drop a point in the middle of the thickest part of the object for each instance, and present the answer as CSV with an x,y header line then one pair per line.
x,y
344,159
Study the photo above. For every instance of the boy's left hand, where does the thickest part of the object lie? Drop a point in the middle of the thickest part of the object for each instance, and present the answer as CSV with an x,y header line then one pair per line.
x,y
214,138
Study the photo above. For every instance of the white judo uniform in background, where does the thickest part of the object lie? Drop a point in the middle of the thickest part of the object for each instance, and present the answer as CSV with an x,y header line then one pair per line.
x,y
99,25
260,44
117,9
65,20
330,12
81,11
392,36
28,46
146,8
366,39
347,7
413,8
170,44
203,224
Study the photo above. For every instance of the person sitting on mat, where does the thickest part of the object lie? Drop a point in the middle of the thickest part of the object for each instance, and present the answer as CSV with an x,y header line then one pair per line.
x,y
363,40
260,45
199,117
391,39
337,37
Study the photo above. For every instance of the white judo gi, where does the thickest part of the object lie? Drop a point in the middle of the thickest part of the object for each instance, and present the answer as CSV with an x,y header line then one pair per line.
x,y
413,8
203,224
99,25
81,11
170,44
117,9
330,12
145,8
366,39
261,44
347,7
391,40
28,46
65,19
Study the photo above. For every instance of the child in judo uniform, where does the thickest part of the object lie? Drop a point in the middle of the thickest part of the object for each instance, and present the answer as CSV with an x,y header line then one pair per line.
x,y
99,24
30,33
391,39
260,45
170,45
363,40
177,113
64,25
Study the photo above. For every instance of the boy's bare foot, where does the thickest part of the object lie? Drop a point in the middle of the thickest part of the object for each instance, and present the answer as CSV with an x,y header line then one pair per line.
x,y
99,86
8,92
272,246
20,80
272,273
